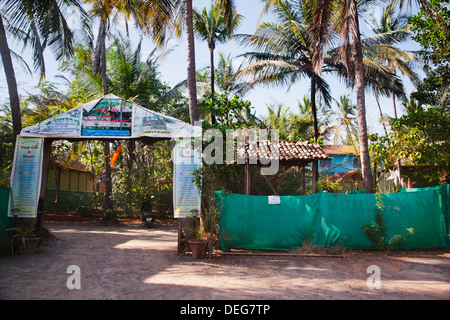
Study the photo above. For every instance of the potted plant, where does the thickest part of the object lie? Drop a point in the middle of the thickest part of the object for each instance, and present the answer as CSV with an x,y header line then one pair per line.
x,y
197,244
27,240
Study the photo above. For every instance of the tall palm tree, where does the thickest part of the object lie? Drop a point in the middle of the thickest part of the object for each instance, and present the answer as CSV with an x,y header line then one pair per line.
x,y
341,16
39,23
395,30
288,52
211,27
347,24
383,59
10,79
226,77
166,18
345,116
104,10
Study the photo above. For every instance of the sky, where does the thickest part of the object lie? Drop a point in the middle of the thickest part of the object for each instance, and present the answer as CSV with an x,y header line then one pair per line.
x,y
173,67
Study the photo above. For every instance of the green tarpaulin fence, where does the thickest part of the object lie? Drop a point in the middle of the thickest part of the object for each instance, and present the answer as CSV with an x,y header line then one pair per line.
x,y
4,221
328,219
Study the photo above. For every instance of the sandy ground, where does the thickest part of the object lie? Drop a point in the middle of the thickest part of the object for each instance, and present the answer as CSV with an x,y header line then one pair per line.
x,y
132,262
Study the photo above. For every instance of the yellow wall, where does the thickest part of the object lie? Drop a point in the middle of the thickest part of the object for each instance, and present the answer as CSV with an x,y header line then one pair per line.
x,y
72,180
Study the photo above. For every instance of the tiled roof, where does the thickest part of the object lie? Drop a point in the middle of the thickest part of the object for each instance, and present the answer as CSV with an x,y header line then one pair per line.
x,y
336,149
288,151
354,174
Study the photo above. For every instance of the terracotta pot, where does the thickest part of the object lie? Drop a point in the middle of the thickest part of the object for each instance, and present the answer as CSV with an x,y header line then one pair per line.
x,y
198,249
30,247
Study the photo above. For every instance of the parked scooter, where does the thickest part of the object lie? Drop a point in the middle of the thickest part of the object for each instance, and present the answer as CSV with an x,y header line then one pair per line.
x,y
147,214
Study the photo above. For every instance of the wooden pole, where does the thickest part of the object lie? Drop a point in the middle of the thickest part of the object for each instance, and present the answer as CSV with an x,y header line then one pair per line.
x,y
270,185
315,175
247,178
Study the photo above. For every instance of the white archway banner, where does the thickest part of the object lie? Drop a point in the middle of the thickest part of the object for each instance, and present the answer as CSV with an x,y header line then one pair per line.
x,y
109,117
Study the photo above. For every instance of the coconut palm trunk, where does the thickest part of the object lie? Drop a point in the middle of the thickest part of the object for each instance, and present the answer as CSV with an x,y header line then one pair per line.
x,y
102,48
360,103
100,68
211,63
192,85
11,80
313,107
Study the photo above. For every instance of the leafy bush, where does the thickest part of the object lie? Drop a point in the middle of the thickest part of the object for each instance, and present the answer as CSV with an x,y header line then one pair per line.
x,y
377,230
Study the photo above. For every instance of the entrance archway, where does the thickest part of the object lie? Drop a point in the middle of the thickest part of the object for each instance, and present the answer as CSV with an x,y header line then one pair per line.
x,y
109,118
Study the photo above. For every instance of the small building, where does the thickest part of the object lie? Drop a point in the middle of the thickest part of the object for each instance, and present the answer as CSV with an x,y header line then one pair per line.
x,y
340,159
349,180
74,178
295,155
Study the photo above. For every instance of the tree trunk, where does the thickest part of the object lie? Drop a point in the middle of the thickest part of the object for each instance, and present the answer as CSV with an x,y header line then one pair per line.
x,y
361,108
211,60
192,85
57,188
101,43
395,107
108,184
11,80
381,114
102,49
313,107
314,167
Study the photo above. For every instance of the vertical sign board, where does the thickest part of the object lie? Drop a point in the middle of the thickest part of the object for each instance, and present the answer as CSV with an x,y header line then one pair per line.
x,y
186,196
26,177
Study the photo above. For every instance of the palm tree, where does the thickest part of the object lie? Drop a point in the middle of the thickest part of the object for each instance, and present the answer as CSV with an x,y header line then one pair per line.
x,y
11,80
211,26
227,79
39,23
382,59
345,116
389,31
288,52
103,10
166,18
323,17
347,24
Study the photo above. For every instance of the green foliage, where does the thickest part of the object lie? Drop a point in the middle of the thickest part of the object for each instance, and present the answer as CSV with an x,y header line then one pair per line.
x,y
230,113
142,173
294,126
195,229
420,137
129,77
435,52
434,39
330,186
22,234
6,145
233,113
376,231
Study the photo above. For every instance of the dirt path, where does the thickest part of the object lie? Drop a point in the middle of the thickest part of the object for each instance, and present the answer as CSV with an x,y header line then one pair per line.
x,y
132,262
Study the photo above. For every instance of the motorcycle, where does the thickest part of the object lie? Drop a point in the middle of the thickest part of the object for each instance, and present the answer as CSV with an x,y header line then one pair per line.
x,y
147,214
